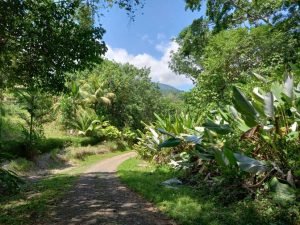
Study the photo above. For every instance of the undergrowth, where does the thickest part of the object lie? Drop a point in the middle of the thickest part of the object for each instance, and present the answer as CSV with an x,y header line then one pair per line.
x,y
192,206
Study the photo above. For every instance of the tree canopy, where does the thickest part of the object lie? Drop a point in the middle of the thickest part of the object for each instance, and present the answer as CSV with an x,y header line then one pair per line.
x,y
226,14
135,95
41,40
234,40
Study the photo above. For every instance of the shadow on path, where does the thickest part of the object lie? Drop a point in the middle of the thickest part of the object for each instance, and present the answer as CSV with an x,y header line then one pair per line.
x,y
100,198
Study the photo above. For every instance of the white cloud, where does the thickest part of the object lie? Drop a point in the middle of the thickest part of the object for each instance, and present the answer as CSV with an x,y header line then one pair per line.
x,y
160,71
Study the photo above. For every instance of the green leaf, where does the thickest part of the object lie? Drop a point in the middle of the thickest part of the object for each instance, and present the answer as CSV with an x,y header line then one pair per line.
x,y
75,88
218,128
203,153
259,77
250,165
172,142
297,89
230,156
166,132
258,94
259,106
244,107
220,159
282,193
269,104
289,86
225,158
277,90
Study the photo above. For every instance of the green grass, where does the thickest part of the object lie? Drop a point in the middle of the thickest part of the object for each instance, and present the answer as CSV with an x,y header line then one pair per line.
x,y
20,165
35,201
190,206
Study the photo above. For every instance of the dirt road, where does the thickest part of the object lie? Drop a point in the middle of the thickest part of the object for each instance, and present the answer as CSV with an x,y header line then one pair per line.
x,y
100,198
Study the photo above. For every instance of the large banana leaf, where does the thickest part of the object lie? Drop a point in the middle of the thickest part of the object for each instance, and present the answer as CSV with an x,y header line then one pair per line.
x,y
250,165
277,91
203,153
218,128
289,86
244,107
269,105
225,158
172,142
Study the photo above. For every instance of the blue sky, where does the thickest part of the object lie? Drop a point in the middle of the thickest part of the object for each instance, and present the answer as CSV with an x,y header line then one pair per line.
x,y
147,41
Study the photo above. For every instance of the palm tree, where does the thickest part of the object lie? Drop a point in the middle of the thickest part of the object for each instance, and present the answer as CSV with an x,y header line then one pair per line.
x,y
93,94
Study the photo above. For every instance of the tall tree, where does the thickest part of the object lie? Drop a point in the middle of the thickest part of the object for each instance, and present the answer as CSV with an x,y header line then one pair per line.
x,y
224,14
233,40
42,40
136,97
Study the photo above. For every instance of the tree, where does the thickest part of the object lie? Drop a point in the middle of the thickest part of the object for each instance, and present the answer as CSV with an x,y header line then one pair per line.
x,y
227,14
234,40
36,105
42,40
192,41
39,42
136,97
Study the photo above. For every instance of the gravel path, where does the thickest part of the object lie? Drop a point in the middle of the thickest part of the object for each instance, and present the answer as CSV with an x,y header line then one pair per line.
x,y
100,198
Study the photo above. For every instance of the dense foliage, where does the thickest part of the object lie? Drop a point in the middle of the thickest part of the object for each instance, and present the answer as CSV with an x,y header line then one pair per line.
x,y
253,144
232,42
236,132
30,58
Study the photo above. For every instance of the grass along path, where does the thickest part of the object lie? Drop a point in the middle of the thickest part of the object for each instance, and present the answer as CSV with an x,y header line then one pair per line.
x,y
37,199
191,206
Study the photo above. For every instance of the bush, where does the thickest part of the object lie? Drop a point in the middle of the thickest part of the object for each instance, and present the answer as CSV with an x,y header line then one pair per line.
x,y
49,144
110,132
10,183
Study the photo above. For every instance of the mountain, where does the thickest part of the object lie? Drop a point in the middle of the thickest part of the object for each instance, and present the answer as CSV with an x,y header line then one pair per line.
x,y
166,89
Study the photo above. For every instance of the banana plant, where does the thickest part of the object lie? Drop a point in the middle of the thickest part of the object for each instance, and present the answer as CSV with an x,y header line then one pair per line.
x,y
88,123
269,116
271,121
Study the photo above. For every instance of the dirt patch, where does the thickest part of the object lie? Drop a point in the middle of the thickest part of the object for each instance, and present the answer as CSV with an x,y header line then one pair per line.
x,y
100,198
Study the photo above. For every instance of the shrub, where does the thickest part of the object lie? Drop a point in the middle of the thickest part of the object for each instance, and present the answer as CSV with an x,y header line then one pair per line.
x,y
110,132
10,183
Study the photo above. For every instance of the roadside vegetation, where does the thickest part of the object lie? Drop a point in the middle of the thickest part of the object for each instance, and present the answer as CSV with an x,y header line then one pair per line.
x,y
203,204
233,140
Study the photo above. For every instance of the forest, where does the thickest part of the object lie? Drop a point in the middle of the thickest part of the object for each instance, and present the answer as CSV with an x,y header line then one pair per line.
x,y
225,152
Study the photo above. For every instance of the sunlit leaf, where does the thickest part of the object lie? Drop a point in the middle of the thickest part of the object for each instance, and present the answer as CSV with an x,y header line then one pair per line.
x,y
244,107
289,86
269,104
192,138
250,165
